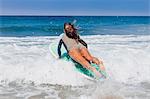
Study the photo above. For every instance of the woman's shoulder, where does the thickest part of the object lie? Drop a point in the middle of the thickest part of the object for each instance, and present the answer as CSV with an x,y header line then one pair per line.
x,y
62,36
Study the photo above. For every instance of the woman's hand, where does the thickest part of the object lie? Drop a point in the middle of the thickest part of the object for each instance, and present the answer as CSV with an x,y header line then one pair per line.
x,y
97,61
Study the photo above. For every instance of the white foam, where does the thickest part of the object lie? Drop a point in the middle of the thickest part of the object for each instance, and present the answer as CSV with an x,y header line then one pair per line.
x,y
28,59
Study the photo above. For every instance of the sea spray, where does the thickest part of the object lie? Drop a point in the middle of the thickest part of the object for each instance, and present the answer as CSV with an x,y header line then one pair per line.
x,y
27,62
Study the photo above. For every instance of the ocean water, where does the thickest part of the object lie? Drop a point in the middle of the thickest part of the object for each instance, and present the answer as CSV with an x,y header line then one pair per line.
x,y
18,26
28,71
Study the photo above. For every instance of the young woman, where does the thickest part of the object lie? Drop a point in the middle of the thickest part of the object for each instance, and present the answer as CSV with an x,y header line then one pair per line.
x,y
77,49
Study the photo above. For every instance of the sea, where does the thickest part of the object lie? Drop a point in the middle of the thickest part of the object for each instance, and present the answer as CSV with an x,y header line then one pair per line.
x,y
29,71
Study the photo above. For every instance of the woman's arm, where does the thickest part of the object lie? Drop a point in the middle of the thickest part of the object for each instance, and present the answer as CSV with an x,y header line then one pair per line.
x,y
83,42
59,48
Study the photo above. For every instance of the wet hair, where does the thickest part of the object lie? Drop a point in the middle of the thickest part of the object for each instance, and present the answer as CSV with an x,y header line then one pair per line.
x,y
70,25
74,34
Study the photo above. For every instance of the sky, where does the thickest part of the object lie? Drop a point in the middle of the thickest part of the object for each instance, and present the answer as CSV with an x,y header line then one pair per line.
x,y
76,7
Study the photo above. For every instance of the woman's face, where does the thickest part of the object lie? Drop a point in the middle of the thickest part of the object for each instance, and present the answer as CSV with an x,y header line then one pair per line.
x,y
69,28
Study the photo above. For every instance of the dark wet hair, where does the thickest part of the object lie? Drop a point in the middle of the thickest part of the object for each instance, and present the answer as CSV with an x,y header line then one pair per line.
x,y
70,25
74,34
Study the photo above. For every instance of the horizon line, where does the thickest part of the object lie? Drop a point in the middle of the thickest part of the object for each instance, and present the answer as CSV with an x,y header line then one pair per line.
x,y
68,15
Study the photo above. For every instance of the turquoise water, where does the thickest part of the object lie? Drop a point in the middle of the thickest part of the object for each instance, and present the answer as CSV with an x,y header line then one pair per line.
x,y
88,25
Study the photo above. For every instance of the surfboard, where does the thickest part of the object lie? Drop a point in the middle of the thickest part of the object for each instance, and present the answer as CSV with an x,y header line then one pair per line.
x,y
78,67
